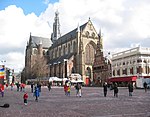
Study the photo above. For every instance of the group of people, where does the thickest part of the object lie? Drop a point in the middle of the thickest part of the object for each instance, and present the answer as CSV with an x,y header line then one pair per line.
x,y
78,90
20,87
67,89
115,88
35,89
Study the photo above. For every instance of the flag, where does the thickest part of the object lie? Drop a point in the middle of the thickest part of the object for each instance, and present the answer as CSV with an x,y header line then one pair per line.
x,y
2,69
2,73
2,77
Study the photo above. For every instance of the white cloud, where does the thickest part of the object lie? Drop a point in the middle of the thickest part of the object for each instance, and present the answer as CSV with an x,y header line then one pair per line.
x,y
46,1
14,34
124,23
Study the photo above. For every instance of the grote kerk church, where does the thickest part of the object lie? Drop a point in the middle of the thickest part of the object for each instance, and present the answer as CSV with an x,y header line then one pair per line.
x,y
79,51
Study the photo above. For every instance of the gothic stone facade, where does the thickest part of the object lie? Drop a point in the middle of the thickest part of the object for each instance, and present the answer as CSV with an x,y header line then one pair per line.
x,y
36,47
74,52
102,65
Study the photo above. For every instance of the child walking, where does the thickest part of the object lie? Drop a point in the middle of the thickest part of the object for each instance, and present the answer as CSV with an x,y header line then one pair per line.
x,y
25,97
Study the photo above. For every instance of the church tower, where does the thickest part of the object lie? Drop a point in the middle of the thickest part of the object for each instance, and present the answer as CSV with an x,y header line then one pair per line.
x,y
101,67
56,28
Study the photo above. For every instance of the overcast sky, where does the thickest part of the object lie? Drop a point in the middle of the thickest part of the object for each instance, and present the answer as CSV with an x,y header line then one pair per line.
x,y
124,23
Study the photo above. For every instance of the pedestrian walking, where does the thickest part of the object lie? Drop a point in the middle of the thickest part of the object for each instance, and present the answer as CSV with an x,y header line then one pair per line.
x,y
49,86
2,90
18,86
23,87
6,85
115,90
145,86
78,90
39,86
12,85
105,89
32,86
36,93
25,97
130,88
66,89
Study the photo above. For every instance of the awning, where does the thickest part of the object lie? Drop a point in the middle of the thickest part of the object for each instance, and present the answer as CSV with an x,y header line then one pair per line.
x,y
122,79
54,79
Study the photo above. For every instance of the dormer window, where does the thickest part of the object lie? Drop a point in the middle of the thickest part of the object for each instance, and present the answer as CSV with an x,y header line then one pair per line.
x,y
93,35
35,51
87,34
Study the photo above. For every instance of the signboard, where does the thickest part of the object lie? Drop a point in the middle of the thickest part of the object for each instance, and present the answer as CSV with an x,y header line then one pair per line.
x,y
2,73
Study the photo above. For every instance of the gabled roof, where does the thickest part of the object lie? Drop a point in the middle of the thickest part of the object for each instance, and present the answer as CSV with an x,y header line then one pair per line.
x,y
71,35
46,42
61,58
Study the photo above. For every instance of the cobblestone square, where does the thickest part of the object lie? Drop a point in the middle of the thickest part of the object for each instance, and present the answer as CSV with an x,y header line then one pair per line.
x,y
92,103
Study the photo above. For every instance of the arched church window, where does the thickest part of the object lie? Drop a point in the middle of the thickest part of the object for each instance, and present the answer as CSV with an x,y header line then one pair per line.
x,y
87,34
35,51
74,46
56,53
93,35
89,54
63,50
59,51
52,53
69,48
44,53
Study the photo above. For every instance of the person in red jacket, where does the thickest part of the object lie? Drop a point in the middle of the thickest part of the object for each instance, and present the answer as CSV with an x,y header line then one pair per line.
x,y
25,97
65,89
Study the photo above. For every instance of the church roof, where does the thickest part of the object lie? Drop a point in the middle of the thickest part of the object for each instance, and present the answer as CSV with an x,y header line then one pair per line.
x,y
69,36
46,42
61,58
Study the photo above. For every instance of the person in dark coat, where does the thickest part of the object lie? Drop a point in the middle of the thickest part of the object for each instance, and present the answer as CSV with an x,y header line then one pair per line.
x,y
39,86
18,86
115,90
49,86
105,89
32,87
130,88
36,93
145,86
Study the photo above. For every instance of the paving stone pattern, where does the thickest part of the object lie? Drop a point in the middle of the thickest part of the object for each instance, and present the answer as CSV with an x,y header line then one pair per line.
x,y
92,103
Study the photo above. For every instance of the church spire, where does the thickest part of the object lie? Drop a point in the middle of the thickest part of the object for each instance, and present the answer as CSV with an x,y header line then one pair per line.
x,y
100,41
78,28
56,28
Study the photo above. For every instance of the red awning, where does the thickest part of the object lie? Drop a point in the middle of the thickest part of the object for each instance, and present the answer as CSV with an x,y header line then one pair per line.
x,y
122,79
1,76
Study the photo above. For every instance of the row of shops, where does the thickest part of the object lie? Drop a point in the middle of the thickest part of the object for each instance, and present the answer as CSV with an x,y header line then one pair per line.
x,y
137,81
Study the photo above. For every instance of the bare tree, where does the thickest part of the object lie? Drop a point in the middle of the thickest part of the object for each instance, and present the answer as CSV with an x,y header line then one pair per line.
x,y
40,68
